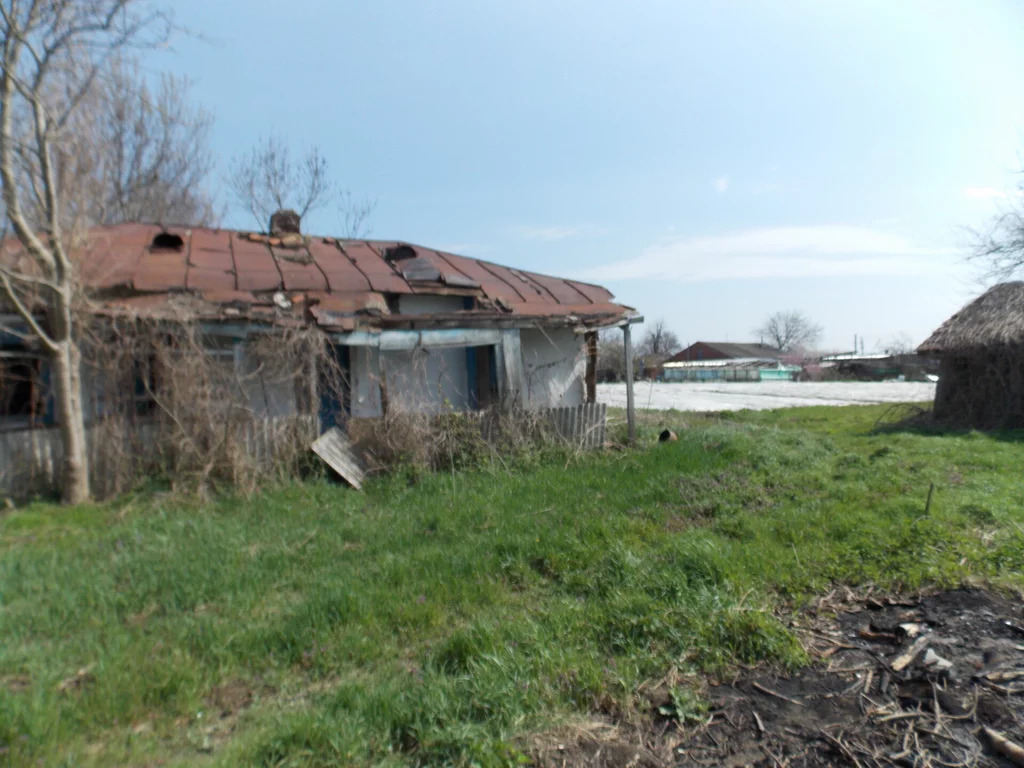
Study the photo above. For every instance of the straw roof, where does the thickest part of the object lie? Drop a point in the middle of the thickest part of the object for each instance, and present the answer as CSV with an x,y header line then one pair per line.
x,y
994,319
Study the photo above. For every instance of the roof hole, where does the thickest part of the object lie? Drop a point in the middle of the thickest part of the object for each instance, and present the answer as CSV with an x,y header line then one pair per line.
x,y
167,240
399,253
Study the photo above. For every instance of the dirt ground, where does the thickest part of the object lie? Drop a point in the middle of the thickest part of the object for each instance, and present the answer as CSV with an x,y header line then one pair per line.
x,y
934,681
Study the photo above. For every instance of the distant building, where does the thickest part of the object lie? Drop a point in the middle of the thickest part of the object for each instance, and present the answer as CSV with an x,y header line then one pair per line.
x,y
727,361
725,350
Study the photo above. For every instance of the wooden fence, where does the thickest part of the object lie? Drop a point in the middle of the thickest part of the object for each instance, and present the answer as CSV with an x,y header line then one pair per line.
x,y
580,425
31,459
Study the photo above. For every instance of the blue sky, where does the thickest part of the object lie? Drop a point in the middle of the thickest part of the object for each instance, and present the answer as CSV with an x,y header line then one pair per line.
x,y
710,162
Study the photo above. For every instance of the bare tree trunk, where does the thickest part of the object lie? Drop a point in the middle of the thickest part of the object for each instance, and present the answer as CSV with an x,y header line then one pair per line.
x,y
67,377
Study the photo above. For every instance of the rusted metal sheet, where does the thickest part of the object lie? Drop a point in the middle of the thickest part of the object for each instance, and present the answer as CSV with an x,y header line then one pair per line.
x,y
255,267
342,274
162,269
310,270
563,292
542,309
492,286
595,293
517,289
113,254
371,263
210,249
209,280
298,271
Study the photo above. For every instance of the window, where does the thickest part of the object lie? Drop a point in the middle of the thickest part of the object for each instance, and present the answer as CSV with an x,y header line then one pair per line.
x,y
22,390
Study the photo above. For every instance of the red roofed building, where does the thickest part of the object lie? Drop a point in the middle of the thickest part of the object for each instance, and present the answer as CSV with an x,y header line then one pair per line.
x,y
443,331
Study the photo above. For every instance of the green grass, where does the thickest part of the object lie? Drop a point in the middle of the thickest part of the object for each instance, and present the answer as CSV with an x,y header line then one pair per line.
x,y
441,619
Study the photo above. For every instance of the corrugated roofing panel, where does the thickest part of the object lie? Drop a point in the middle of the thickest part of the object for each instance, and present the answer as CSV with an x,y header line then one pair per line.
x,y
221,264
163,269
526,290
211,249
255,268
546,309
209,280
560,289
595,293
342,274
113,254
372,264
492,286
298,270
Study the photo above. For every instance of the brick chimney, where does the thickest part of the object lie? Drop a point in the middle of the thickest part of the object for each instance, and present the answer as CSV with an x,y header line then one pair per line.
x,y
284,222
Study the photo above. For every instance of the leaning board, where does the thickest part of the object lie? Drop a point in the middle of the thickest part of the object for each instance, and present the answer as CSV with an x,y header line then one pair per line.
x,y
334,448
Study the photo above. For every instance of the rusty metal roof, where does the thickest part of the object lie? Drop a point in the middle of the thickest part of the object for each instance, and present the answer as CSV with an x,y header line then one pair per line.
x,y
340,284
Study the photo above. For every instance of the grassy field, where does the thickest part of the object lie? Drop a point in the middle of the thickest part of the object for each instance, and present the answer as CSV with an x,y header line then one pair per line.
x,y
443,619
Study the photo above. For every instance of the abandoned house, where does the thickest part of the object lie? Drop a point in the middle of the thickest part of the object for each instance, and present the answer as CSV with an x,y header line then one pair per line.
x,y
409,327
981,353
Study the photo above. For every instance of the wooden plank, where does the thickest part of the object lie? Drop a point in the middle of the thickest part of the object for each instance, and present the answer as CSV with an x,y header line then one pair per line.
x,y
590,379
513,385
334,448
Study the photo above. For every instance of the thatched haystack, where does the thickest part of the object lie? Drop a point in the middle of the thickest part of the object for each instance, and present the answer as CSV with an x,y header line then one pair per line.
x,y
981,380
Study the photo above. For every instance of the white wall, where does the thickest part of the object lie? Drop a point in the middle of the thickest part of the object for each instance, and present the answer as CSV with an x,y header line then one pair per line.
x,y
555,363
364,375
432,379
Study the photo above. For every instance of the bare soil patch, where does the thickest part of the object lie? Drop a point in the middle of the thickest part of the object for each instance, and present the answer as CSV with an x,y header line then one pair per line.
x,y
935,680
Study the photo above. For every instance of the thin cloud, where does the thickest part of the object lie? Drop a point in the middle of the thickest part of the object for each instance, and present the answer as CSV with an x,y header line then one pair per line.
x,y
465,248
557,232
779,252
989,193
720,184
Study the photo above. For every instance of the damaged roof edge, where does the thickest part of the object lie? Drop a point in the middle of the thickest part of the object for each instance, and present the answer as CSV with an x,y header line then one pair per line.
x,y
339,285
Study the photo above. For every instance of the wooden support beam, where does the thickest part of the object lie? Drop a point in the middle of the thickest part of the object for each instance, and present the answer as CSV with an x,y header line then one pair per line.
x,y
591,375
513,384
627,344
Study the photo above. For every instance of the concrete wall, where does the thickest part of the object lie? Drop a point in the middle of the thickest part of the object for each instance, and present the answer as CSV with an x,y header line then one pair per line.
x,y
432,379
554,363
364,378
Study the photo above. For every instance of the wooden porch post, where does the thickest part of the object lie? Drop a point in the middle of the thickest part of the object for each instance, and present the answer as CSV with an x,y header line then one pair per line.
x,y
627,343
591,377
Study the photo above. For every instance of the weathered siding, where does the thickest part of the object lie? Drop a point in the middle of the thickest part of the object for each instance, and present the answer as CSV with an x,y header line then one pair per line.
x,y
554,363
30,460
267,394
432,379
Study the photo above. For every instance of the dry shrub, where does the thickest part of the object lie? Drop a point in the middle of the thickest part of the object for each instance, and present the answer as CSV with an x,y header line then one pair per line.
x,y
171,401
451,439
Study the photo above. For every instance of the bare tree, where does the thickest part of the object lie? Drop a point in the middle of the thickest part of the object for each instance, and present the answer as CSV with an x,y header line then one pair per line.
x,y
153,156
611,357
658,340
268,178
1000,248
789,331
355,215
131,152
51,54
